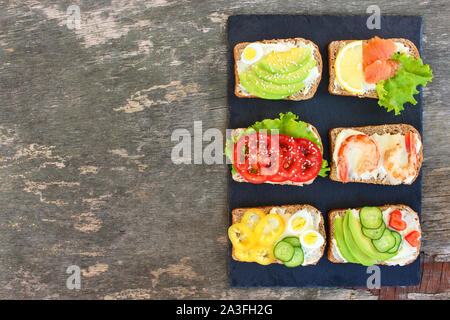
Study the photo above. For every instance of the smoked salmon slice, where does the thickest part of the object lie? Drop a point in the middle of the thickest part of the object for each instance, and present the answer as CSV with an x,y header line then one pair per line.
x,y
380,70
377,63
377,49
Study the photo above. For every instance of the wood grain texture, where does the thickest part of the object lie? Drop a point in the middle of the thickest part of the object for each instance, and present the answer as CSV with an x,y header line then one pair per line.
x,y
85,172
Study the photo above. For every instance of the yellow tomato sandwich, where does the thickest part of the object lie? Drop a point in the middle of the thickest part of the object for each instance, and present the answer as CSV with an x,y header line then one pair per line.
x,y
293,235
385,154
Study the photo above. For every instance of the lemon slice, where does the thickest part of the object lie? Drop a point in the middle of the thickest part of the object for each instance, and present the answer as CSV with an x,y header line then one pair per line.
x,y
348,67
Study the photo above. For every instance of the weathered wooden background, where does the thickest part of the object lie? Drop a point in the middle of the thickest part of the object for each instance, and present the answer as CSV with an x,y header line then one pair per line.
x,y
85,172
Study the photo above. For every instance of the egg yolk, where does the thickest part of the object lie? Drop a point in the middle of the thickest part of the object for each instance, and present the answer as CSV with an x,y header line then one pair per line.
x,y
249,53
298,223
310,238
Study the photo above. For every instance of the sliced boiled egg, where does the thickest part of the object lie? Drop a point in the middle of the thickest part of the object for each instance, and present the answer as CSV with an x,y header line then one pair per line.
x,y
299,222
252,53
311,239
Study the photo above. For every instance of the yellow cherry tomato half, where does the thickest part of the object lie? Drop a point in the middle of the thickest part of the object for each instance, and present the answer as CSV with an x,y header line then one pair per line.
x,y
252,217
244,254
241,236
269,229
262,255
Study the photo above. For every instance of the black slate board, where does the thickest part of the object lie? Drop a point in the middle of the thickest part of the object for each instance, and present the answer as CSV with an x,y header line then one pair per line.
x,y
324,111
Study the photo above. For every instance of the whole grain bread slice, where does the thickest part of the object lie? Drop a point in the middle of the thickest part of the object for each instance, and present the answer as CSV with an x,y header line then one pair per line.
x,y
370,130
333,49
332,215
238,178
306,93
238,213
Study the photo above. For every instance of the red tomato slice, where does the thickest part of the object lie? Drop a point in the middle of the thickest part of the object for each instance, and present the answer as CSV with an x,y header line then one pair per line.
x,y
413,238
282,174
268,155
255,158
410,143
290,159
312,164
396,221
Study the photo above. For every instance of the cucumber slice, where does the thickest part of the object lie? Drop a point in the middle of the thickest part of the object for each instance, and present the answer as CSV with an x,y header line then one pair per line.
x,y
294,241
283,251
398,242
297,259
374,234
371,217
386,242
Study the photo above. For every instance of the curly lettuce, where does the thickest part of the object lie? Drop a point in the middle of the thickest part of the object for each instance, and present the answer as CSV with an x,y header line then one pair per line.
x,y
325,168
394,92
287,124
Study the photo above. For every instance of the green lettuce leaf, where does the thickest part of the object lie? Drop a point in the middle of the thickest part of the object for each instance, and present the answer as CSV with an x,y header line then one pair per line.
x,y
229,149
394,92
287,124
324,170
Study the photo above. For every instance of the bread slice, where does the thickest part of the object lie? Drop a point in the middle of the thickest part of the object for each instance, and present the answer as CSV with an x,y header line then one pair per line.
x,y
238,178
340,213
333,49
369,130
306,93
238,213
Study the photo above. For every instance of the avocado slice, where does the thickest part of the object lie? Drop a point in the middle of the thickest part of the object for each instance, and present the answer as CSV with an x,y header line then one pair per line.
x,y
364,243
288,61
352,246
286,78
272,88
339,236
243,77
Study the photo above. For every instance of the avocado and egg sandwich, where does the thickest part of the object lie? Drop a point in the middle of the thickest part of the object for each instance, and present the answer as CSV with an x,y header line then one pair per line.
x,y
288,69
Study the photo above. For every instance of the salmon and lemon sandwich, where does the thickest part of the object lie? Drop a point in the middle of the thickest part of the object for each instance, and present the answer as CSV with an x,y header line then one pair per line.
x,y
386,154
288,69
387,69
293,235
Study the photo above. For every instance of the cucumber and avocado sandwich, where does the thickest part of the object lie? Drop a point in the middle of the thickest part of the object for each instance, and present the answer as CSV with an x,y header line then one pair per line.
x,y
388,235
291,235
277,69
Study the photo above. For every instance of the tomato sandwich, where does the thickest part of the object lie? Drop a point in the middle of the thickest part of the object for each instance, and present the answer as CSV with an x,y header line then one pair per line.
x,y
277,151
